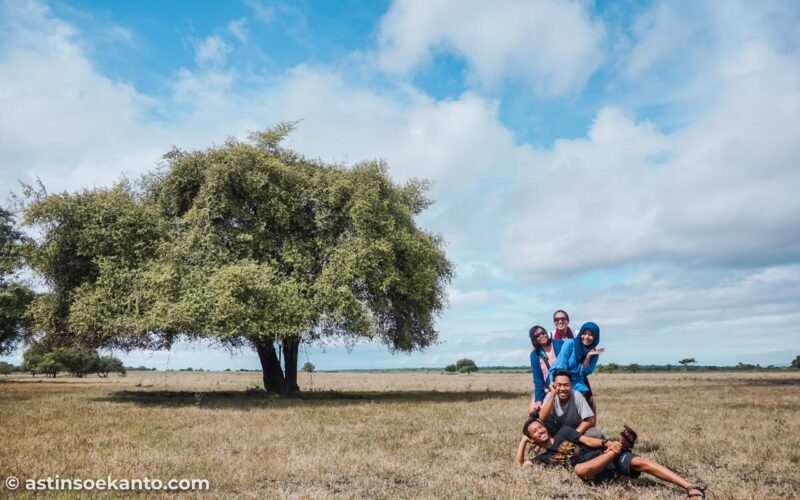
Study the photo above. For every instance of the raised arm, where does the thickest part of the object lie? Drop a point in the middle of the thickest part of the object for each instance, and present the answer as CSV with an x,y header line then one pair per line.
x,y
520,456
590,362
549,401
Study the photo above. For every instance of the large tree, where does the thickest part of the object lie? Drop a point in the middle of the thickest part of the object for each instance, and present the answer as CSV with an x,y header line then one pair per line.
x,y
14,296
246,243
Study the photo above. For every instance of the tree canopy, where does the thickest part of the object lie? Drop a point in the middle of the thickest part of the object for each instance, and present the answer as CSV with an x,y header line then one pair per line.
x,y
14,296
243,243
466,365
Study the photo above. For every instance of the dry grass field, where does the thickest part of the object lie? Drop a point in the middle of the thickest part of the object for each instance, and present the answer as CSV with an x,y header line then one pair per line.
x,y
379,435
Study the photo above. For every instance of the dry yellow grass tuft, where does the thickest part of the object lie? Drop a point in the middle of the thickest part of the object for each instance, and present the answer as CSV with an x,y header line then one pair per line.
x,y
379,435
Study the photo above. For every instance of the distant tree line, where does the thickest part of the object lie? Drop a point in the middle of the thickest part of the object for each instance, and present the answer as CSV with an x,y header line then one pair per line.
x,y
77,361
635,368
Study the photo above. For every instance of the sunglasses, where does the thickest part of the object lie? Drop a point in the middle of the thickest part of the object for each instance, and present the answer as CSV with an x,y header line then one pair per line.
x,y
540,334
559,320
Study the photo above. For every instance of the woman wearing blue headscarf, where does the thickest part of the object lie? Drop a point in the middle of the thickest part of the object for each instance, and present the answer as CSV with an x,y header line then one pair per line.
x,y
579,357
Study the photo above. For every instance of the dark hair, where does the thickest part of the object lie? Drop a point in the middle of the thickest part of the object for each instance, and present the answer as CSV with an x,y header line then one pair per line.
x,y
560,311
533,330
562,373
534,417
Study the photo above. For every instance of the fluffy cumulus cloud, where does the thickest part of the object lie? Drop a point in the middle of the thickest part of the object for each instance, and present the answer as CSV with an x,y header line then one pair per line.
x,y
553,46
61,119
661,234
717,192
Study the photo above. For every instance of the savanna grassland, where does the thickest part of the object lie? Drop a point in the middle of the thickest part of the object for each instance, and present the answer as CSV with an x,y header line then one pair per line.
x,y
380,435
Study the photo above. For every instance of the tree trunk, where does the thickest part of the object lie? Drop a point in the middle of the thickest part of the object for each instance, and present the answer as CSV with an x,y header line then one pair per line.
x,y
276,380
291,348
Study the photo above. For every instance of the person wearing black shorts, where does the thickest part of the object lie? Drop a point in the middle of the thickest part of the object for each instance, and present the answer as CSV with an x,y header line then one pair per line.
x,y
595,460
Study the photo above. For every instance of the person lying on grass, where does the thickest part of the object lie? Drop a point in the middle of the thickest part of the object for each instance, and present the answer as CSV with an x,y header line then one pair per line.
x,y
565,406
593,459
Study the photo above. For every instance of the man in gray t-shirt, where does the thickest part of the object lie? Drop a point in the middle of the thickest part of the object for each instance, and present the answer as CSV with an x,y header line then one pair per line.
x,y
564,406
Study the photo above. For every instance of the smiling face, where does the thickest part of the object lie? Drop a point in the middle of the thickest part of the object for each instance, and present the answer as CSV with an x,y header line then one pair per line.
x,y
538,433
540,337
587,337
561,320
563,387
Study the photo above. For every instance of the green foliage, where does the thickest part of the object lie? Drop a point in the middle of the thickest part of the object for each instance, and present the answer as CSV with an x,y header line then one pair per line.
x,y
103,365
6,368
82,234
611,368
451,368
466,366
796,363
14,297
633,368
49,365
309,367
687,361
76,360
32,356
240,243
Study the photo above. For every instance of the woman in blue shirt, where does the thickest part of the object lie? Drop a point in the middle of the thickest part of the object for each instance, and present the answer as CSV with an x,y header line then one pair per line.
x,y
543,355
579,357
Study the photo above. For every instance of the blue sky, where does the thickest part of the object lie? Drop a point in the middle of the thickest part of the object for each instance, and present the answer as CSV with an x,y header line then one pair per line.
x,y
634,163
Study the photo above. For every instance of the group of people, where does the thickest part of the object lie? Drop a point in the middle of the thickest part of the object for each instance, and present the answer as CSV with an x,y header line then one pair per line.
x,y
562,426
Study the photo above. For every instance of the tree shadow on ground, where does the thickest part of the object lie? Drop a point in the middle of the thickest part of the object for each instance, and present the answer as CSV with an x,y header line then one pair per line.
x,y
251,399
773,381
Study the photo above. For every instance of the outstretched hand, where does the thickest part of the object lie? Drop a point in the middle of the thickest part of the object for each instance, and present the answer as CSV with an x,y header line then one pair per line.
x,y
596,351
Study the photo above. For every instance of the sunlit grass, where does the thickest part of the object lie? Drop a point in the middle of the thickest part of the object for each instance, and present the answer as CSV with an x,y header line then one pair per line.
x,y
370,435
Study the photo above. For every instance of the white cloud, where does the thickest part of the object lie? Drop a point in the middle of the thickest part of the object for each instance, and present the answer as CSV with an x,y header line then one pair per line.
x,y
238,28
718,192
701,219
553,46
661,32
264,13
459,297
61,120
212,50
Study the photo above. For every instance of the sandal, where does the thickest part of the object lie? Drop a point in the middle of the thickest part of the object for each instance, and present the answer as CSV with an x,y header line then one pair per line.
x,y
701,491
628,437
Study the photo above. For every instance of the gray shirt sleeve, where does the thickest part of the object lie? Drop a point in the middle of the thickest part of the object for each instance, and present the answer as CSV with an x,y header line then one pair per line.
x,y
584,410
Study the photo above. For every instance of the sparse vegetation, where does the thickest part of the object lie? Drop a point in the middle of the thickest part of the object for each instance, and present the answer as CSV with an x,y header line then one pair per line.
x,y
410,434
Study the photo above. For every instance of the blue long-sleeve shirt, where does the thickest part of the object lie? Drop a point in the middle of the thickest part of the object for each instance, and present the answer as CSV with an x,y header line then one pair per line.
x,y
539,382
567,360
